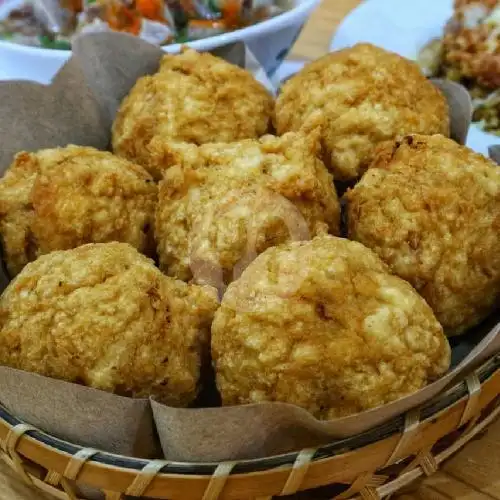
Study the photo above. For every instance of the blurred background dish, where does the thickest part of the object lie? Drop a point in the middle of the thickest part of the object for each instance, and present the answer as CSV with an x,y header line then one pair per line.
x,y
269,40
406,28
54,24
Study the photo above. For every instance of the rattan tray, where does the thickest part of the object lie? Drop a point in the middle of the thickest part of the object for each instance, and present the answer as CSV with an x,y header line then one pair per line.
x,y
371,466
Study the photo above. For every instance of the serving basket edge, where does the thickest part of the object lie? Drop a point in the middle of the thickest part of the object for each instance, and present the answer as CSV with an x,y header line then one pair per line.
x,y
371,466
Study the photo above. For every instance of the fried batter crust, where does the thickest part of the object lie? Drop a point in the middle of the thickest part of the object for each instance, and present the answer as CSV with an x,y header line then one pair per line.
x,y
195,98
324,325
104,316
61,198
431,210
360,96
222,202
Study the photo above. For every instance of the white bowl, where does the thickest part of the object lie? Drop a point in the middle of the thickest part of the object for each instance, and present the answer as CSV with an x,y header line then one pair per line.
x,y
270,42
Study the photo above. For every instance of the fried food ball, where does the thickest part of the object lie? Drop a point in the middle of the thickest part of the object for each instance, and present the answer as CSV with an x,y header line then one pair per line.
x,y
360,96
195,98
431,210
324,325
223,204
103,315
57,199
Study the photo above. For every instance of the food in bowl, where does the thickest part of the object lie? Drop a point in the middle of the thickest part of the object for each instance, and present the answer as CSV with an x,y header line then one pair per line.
x,y
157,21
193,98
360,96
104,316
469,53
61,198
430,209
324,321
324,325
222,204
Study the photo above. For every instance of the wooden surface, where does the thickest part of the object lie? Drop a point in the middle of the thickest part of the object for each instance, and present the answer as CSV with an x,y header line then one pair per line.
x,y
473,474
315,38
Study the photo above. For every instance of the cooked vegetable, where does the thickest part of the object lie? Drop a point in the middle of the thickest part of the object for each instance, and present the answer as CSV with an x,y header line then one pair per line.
x,y
157,21
469,53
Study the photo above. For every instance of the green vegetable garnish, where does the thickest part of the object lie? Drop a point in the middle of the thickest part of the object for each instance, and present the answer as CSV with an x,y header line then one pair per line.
x,y
48,43
213,6
182,37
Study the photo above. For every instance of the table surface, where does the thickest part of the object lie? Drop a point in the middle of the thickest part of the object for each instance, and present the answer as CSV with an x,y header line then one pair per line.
x,y
473,474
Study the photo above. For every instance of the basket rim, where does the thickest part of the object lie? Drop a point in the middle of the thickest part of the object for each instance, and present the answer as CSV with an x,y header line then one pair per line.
x,y
430,410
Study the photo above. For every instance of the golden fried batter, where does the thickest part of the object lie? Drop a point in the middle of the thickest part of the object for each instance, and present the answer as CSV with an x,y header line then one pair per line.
x,y
103,315
431,210
61,198
360,96
195,98
324,325
223,204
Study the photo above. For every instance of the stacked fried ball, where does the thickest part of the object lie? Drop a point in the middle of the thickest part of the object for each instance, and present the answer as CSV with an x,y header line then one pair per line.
x,y
193,98
58,199
222,203
103,315
323,324
202,236
360,97
431,210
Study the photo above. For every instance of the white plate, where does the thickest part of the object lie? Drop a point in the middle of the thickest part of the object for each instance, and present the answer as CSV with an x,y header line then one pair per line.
x,y
403,26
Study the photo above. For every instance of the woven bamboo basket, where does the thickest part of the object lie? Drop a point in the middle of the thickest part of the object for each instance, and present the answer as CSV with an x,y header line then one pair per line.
x,y
369,466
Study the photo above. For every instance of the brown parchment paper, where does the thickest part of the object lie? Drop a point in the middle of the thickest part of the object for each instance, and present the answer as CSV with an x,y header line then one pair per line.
x,y
460,106
80,105
78,414
252,431
494,152
79,108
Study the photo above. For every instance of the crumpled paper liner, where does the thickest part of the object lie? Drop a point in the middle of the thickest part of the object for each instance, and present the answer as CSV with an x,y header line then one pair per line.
x,y
79,414
260,430
80,104
79,108
494,152
460,106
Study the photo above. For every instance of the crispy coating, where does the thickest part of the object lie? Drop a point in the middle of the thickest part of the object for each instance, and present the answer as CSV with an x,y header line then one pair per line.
x,y
431,210
103,315
360,96
195,98
324,325
57,199
223,204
